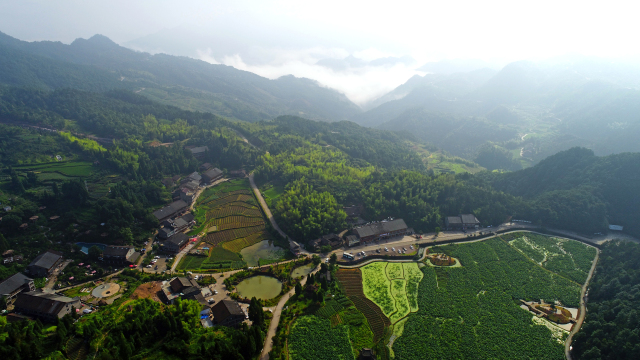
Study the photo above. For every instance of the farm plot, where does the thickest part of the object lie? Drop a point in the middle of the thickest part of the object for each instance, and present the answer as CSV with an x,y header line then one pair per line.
x,y
568,258
313,338
472,311
238,244
393,287
238,223
351,282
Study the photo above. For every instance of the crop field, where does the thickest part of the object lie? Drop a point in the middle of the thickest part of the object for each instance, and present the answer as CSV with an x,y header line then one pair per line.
x,y
473,312
569,258
313,338
238,221
219,259
393,287
351,282
238,244
72,168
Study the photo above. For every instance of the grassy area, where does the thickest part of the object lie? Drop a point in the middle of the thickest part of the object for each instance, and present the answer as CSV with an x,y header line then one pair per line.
x,y
272,193
442,163
73,292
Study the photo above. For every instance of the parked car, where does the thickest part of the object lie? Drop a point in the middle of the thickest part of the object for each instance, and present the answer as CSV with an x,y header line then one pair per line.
x,y
378,251
385,249
393,249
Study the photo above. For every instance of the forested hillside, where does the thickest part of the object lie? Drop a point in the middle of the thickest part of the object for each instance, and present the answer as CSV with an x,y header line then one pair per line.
x,y
576,184
531,109
180,81
611,327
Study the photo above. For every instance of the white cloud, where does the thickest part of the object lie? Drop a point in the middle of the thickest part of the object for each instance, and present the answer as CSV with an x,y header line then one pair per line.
x,y
360,84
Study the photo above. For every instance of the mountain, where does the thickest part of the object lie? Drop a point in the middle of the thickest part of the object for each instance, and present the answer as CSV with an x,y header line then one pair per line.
x,y
546,107
577,176
435,92
193,84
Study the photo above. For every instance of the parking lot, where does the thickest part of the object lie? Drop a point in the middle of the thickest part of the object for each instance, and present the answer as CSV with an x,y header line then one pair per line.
x,y
160,264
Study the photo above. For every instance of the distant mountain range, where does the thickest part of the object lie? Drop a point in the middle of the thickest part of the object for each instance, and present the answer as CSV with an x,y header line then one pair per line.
x,y
181,81
532,110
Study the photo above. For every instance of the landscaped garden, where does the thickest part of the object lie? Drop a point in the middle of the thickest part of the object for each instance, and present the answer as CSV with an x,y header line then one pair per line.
x,y
393,287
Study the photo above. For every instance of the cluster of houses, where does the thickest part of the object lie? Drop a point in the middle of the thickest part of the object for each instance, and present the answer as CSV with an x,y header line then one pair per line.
x,y
375,231
29,302
461,222
224,313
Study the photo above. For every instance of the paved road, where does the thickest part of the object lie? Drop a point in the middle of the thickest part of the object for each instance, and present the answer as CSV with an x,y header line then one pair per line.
x,y
54,276
273,327
583,309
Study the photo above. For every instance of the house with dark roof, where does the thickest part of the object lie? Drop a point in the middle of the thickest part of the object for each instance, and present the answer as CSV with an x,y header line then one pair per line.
x,y
461,222
352,240
184,288
199,151
44,264
228,313
295,248
175,243
366,354
170,227
205,167
170,210
46,306
332,240
194,176
212,175
120,254
15,284
381,230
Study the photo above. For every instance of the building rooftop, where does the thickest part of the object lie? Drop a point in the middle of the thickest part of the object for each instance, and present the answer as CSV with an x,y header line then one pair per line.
x,y
42,302
169,209
469,219
213,173
12,283
380,228
112,250
198,150
179,239
47,259
226,308
454,220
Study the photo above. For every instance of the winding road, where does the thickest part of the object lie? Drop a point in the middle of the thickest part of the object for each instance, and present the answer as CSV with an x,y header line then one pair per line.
x,y
275,321
583,308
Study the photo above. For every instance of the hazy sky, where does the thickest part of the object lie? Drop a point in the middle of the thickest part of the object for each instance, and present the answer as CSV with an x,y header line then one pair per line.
x,y
274,38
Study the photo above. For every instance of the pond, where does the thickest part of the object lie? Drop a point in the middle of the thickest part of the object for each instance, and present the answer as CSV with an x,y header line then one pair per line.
x,y
263,250
84,247
302,270
260,286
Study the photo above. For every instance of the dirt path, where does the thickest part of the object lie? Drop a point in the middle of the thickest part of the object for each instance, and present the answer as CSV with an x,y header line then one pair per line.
x,y
273,327
583,308
267,212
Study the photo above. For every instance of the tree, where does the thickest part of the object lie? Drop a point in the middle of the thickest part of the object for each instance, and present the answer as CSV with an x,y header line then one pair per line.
x,y
256,314
325,249
316,260
298,289
94,252
333,259
56,189
32,178
4,244
323,268
437,230
126,234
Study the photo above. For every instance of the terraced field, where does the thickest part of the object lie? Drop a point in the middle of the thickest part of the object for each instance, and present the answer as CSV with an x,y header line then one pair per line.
x,y
351,282
238,222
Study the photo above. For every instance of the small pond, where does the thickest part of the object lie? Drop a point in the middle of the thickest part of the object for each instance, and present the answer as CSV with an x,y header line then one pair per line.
x,y
84,247
302,270
262,250
260,286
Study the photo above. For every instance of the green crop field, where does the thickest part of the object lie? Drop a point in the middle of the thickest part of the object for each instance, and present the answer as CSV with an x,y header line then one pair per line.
x,y
568,258
473,311
393,287
313,338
